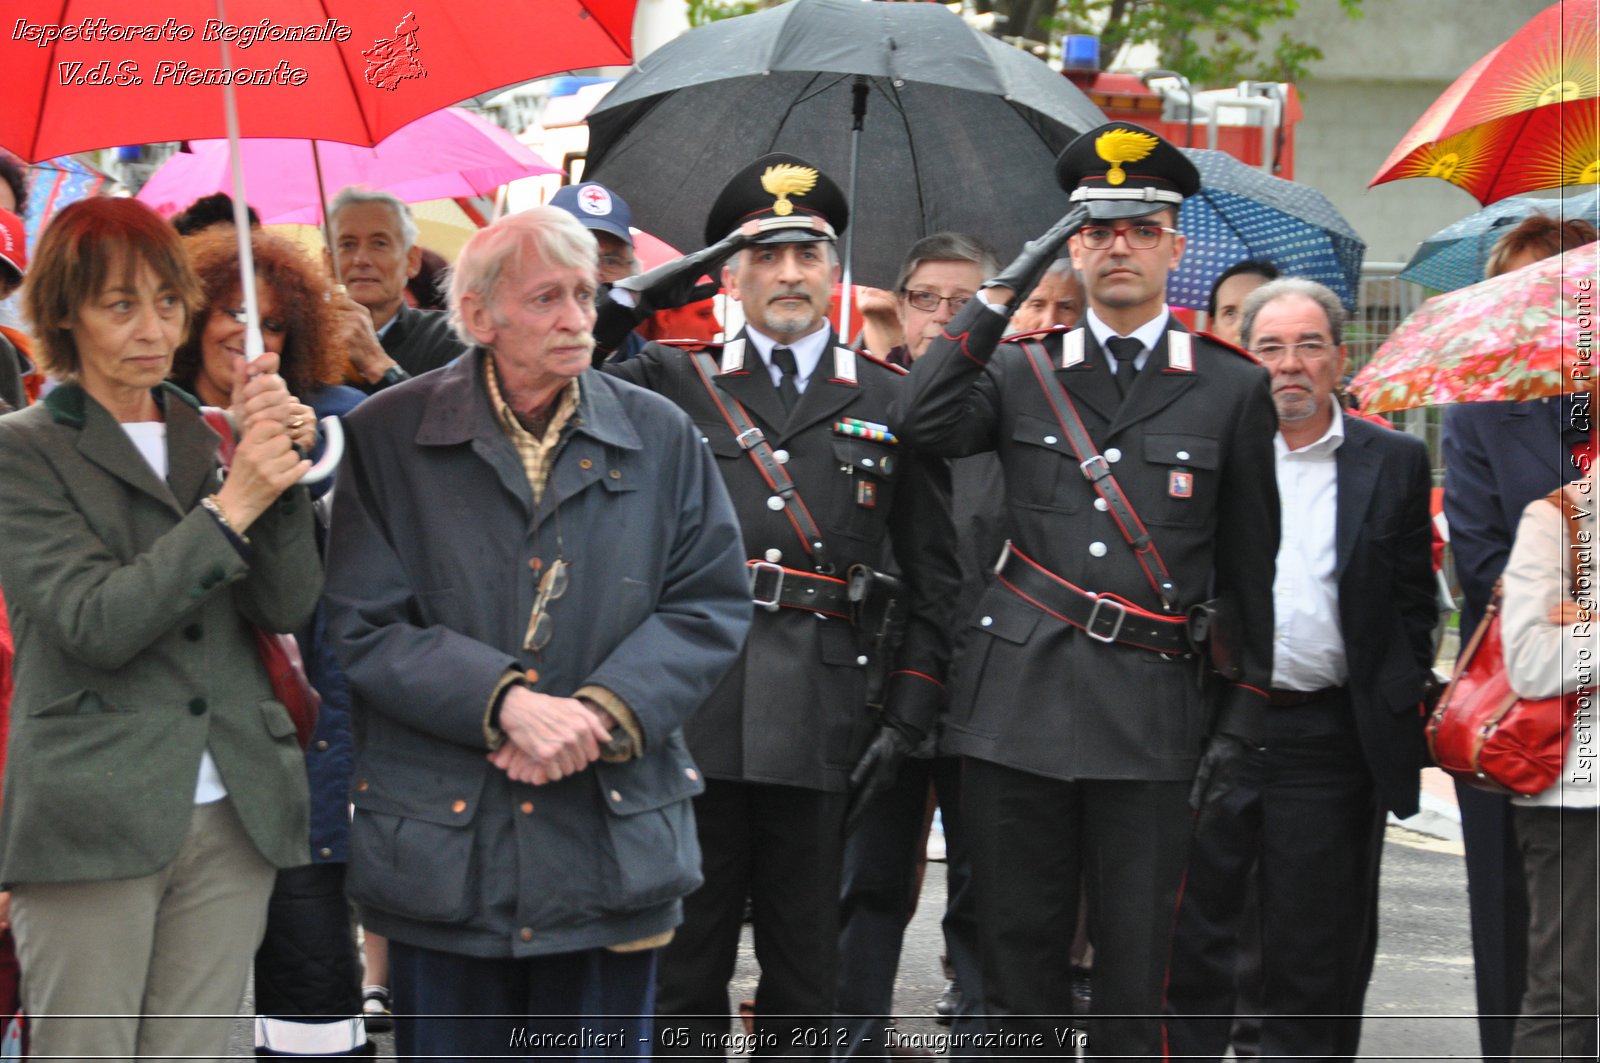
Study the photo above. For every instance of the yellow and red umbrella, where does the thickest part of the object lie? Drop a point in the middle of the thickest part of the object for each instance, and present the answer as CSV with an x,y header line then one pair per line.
x,y
1527,334
1524,117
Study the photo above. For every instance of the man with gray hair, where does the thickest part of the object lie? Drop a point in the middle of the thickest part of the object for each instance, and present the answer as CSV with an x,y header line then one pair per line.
x,y
1055,302
539,577
1352,648
375,252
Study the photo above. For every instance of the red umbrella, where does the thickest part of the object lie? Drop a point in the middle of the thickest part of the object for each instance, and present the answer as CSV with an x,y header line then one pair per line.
x,y
1524,117
86,74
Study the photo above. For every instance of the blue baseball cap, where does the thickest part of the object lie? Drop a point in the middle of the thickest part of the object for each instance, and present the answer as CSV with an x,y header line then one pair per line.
x,y
597,207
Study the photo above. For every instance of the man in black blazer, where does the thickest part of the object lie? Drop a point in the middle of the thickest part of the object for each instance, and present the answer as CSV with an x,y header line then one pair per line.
x,y
787,739
1352,649
1086,721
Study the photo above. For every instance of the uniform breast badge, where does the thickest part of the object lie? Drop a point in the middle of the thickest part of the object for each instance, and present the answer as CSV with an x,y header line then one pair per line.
x,y
1180,483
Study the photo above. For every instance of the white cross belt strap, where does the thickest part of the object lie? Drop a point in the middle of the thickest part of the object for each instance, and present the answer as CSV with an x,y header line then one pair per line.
x,y
753,442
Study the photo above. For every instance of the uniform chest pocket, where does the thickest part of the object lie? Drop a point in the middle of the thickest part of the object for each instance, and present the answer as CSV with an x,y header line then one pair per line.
x,y
1041,469
1187,467
871,468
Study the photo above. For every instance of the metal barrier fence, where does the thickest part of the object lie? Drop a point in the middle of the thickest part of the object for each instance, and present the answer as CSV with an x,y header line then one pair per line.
x,y
1385,302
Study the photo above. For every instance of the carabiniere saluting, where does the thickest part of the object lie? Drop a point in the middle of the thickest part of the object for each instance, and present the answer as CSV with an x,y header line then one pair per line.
x,y
827,496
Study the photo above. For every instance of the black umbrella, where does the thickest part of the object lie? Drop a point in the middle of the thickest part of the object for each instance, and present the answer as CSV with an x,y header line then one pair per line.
x,y
960,131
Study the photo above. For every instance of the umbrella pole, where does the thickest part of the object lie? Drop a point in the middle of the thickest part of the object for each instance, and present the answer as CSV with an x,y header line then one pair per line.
x,y
254,347
858,114
322,200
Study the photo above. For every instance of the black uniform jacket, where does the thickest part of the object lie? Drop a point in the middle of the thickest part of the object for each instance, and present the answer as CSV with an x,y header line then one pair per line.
x,y
792,711
1192,448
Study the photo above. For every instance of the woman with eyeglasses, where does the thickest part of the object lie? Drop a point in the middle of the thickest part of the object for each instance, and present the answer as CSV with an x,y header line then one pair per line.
x,y
153,784
307,964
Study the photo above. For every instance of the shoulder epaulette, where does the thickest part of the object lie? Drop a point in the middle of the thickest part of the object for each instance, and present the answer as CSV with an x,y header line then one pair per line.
x,y
710,346
1229,347
1053,330
875,360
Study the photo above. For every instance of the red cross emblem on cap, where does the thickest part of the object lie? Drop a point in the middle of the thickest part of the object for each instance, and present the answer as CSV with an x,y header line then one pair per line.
x,y
595,200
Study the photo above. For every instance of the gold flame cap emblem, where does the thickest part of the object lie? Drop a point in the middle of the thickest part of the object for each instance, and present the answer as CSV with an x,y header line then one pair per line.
x,y
785,180
1122,145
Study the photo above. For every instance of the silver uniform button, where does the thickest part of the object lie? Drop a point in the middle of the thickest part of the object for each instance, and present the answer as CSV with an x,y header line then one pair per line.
x,y
1183,455
1100,504
774,503
1051,440
987,621
774,555
862,659
1097,549
866,462
1113,455
781,457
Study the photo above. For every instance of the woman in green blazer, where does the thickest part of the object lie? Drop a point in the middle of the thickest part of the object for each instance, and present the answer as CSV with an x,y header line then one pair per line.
x,y
153,784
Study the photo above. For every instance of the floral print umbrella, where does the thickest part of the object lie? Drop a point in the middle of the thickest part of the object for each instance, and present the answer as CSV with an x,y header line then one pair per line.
x,y
1527,334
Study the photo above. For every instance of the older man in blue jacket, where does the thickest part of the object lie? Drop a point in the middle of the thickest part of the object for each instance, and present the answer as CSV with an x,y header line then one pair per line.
x,y
539,577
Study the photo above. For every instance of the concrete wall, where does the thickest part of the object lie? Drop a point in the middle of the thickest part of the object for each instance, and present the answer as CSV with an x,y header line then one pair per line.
x,y
1379,75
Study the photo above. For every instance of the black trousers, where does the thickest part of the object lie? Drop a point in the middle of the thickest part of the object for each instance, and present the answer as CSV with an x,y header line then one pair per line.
x,y
307,963
1497,900
878,896
1034,840
1305,814
781,847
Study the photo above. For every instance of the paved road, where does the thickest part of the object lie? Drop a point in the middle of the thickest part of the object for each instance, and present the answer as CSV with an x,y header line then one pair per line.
x,y
1420,1004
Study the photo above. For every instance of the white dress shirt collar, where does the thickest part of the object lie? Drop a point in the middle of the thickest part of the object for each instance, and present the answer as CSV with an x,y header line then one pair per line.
x,y
808,351
1148,334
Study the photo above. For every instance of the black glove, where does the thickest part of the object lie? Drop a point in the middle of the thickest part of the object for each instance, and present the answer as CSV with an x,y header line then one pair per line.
x,y
669,285
877,769
1218,772
1025,270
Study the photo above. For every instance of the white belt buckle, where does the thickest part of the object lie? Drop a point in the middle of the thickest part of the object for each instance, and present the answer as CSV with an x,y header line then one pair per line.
x,y
1116,628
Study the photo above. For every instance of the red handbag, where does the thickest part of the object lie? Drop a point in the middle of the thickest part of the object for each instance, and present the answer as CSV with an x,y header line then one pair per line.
x,y
1485,735
286,671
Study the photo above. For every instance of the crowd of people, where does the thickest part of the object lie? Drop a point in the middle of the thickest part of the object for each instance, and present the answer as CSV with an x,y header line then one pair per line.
x,y
624,642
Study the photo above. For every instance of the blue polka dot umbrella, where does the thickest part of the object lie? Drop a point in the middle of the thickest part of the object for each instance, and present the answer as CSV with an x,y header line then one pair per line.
x,y
1243,213
1457,255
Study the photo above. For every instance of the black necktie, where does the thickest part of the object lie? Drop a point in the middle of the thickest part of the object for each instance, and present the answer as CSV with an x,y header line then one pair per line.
x,y
1125,351
783,358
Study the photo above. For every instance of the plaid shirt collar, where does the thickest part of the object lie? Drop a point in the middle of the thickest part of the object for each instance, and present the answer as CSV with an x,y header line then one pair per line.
x,y
535,454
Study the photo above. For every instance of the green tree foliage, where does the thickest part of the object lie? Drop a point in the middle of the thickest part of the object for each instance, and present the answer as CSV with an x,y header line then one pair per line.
x,y
703,11
1211,42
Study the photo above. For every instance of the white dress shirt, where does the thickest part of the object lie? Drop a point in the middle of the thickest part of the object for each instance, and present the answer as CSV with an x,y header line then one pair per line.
x,y
1148,334
808,351
150,437
1307,646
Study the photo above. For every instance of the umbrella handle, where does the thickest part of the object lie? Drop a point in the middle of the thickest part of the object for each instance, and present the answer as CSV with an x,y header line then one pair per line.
x,y
332,452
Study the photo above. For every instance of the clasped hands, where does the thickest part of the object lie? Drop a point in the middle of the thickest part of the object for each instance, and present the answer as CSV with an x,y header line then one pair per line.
x,y
547,738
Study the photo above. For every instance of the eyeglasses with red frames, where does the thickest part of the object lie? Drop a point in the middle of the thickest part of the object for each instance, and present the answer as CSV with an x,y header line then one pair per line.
x,y
1139,237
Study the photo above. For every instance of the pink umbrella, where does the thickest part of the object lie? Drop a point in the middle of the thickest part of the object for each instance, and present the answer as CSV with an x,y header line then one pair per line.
x,y
448,154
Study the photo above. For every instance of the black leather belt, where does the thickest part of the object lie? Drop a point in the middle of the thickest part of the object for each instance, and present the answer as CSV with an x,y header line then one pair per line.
x,y
1285,699
1103,618
773,587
